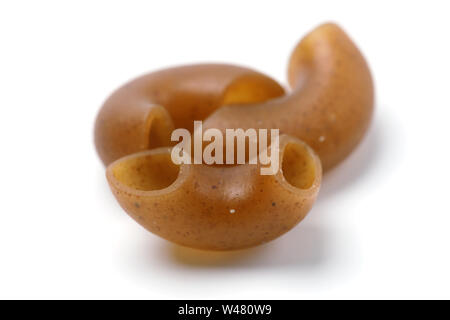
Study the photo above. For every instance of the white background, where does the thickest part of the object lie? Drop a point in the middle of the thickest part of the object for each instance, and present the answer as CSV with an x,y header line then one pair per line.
x,y
381,225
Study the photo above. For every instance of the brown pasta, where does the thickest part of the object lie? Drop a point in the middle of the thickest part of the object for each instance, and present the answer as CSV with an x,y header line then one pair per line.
x,y
217,207
143,113
223,207
331,104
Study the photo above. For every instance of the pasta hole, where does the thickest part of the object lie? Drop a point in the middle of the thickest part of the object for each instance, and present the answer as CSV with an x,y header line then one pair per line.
x,y
298,166
149,172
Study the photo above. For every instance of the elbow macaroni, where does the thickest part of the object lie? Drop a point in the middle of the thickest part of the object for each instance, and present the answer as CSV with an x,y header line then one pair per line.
x,y
216,205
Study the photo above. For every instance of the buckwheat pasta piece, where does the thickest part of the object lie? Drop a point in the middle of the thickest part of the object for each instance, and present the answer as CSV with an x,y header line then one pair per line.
x,y
217,207
142,114
331,103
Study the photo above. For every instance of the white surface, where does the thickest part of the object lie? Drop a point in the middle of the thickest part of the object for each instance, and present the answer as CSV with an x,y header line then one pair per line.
x,y
380,228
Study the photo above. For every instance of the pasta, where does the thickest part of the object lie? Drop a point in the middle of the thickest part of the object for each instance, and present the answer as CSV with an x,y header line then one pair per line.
x,y
331,104
142,114
222,206
217,207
